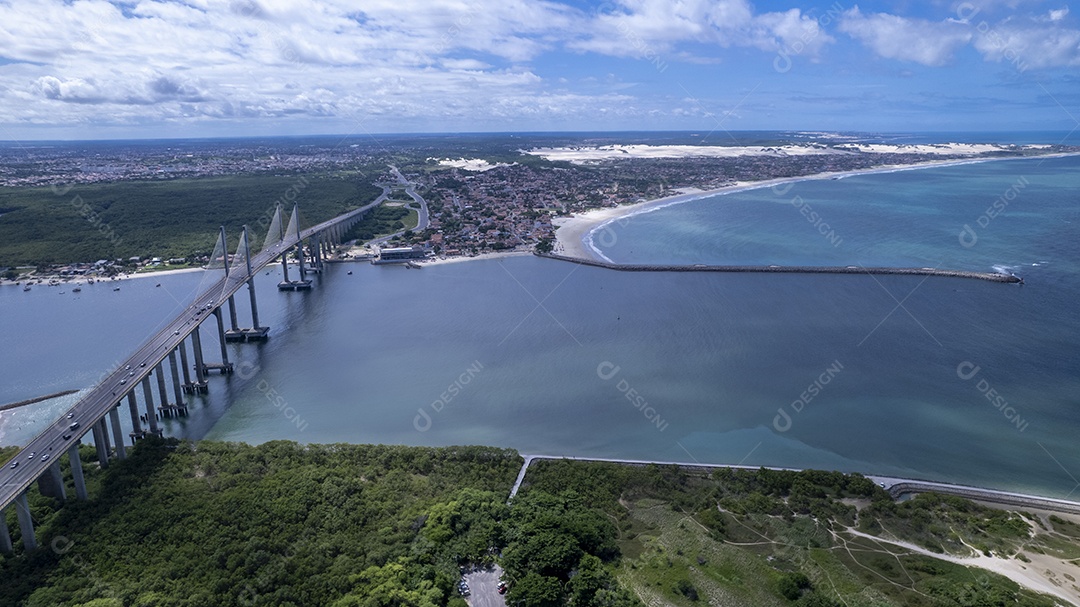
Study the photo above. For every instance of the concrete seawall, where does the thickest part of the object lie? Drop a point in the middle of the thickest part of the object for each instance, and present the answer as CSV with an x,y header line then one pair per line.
x,y
909,487
991,276
30,401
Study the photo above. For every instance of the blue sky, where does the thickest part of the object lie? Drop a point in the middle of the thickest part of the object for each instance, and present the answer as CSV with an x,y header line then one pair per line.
x,y
87,69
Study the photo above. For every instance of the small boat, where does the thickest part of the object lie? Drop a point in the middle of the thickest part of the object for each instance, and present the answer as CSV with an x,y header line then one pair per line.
x,y
349,272
62,292
26,288
158,284
76,290
116,288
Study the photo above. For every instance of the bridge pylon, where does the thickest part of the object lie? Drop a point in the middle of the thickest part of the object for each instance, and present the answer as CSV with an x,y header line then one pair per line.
x,y
242,264
293,229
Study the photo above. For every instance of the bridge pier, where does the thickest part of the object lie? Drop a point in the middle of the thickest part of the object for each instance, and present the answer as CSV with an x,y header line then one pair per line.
x,y
105,432
226,366
232,314
200,368
99,443
184,366
151,415
76,471
26,522
118,433
51,483
163,392
5,534
136,425
177,390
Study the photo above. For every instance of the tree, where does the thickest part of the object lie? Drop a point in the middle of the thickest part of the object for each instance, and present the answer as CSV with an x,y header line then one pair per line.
x,y
535,590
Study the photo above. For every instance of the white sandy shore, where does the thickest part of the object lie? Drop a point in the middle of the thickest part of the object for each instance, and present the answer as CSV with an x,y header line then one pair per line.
x,y
573,235
71,281
596,154
438,261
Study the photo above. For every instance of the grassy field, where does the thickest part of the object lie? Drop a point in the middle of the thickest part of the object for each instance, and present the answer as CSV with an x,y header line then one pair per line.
x,y
176,218
776,538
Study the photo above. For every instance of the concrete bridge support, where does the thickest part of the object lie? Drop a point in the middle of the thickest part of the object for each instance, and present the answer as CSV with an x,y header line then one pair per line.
x,y
184,363
118,436
99,443
105,435
5,534
221,336
178,393
196,346
76,471
26,522
163,392
148,397
232,314
136,425
51,483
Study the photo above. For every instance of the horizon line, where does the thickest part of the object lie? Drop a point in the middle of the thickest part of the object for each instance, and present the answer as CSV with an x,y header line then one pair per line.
x,y
690,132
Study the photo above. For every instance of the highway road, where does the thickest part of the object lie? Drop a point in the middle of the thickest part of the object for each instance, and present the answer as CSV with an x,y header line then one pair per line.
x,y
423,219
40,453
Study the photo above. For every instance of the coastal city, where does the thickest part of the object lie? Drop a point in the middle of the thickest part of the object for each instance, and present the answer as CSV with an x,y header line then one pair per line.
x,y
539,303
504,200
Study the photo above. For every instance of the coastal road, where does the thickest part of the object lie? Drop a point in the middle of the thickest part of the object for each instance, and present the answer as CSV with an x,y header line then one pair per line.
x,y
45,449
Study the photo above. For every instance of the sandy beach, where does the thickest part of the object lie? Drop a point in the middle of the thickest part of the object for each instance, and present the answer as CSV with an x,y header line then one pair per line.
x,y
572,233
72,281
438,261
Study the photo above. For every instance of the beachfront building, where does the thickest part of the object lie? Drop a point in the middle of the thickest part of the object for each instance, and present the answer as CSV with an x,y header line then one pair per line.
x,y
401,254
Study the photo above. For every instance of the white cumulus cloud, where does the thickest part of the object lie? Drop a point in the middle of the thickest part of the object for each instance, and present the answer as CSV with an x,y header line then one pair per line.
x,y
893,37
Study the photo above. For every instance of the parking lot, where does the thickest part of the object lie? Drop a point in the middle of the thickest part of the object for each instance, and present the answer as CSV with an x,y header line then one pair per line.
x,y
484,586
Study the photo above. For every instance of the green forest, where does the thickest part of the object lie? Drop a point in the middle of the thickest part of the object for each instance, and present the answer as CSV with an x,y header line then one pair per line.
x,y
380,221
167,219
222,524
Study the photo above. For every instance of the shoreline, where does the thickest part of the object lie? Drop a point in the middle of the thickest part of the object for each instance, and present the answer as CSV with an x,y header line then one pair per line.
x,y
573,235
903,486
82,280
440,261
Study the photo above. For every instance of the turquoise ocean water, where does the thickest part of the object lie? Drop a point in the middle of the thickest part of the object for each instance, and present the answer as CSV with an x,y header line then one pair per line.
x,y
875,374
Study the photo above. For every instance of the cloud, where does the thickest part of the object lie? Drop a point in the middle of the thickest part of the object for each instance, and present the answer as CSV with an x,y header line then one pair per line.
x,y
642,27
1028,43
930,43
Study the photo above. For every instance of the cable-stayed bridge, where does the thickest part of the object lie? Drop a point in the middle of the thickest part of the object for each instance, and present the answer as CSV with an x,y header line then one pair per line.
x,y
98,411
